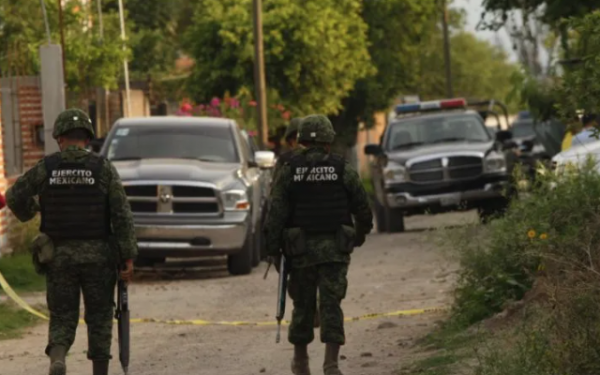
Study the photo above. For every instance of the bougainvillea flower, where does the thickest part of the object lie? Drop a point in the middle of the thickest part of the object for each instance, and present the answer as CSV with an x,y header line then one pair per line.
x,y
215,102
252,103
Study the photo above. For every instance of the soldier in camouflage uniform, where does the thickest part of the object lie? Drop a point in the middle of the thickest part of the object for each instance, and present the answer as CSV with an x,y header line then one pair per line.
x,y
82,204
313,201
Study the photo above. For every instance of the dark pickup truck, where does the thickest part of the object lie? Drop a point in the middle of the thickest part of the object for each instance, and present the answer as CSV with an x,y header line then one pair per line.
x,y
437,157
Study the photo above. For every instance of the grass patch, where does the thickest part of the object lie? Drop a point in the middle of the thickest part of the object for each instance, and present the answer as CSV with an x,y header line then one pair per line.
x,y
19,272
13,321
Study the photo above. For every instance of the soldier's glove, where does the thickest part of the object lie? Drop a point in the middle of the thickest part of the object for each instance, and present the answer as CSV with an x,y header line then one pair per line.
x,y
360,239
277,261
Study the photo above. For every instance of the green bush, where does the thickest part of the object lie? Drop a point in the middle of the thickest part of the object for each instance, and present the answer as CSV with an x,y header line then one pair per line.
x,y
551,239
20,273
499,262
20,235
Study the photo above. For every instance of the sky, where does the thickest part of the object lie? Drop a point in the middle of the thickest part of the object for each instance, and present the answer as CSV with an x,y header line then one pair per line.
x,y
474,10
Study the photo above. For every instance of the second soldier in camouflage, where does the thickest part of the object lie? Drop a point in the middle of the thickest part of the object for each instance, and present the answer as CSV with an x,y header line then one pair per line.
x,y
319,213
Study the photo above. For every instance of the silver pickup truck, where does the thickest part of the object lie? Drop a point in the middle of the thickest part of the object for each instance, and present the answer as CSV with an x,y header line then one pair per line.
x,y
195,187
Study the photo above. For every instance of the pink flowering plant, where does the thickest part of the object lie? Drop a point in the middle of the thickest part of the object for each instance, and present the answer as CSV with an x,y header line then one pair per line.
x,y
241,108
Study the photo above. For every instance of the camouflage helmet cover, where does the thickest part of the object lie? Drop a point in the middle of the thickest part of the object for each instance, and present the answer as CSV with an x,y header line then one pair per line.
x,y
316,128
72,119
292,128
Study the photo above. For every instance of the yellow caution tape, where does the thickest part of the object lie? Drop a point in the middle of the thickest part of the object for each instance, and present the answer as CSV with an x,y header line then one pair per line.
x,y
199,322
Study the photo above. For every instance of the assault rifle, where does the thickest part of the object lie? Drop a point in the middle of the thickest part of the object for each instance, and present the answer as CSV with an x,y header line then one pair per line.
x,y
122,316
281,296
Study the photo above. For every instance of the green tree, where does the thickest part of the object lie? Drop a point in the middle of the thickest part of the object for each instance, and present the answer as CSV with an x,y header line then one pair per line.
x,y
315,50
396,30
152,35
90,61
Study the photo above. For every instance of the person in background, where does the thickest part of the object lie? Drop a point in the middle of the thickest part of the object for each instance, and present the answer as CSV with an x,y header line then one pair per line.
x,y
586,135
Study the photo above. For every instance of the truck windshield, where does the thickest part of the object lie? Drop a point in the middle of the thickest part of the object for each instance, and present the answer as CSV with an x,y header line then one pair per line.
x,y
522,129
429,130
205,143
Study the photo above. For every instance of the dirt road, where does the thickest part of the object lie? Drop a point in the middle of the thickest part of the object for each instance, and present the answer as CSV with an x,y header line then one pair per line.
x,y
389,273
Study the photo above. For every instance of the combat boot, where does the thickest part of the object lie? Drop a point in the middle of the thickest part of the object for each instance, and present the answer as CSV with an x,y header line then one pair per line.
x,y
300,361
100,367
330,366
57,360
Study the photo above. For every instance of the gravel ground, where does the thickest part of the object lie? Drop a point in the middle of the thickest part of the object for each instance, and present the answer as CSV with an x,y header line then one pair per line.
x,y
389,273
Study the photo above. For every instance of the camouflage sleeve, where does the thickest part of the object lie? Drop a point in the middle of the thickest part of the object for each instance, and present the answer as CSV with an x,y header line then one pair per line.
x,y
359,203
120,216
278,211
20,197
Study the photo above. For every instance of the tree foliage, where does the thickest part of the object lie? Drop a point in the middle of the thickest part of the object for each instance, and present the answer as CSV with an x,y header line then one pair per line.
x,y
314,50
396,29
580,85
90,60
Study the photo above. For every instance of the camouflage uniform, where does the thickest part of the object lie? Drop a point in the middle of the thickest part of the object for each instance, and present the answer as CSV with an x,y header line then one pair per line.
x,y
324,265
89,266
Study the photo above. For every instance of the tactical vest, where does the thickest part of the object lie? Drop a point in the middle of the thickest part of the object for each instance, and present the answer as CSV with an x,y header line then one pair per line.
x,y
319,198
73,205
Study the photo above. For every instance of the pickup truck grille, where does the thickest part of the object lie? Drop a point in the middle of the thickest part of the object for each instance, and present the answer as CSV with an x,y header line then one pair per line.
x,y
172,199
452,168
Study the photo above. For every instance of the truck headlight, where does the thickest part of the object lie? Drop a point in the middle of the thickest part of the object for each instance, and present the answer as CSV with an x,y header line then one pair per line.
x,y
394,172
235,200
494,163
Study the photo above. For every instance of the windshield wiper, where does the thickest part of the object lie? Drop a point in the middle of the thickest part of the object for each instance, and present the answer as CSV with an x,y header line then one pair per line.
x,y
406,145
126,158
198,158
450,139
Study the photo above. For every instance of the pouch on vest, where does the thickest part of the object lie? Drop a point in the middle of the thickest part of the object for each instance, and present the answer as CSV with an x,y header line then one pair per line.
x,y
346,237
294,242
42,251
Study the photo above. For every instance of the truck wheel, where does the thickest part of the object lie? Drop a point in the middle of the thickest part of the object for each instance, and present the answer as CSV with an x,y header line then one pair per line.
x,y
241,263
380,218
395,220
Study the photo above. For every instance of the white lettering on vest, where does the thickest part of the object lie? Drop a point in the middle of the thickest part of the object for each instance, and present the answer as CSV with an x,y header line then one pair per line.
x,y
316,174
72,177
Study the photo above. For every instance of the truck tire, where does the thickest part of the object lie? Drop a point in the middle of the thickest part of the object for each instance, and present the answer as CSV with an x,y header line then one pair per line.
x,y
241,262
380,218
395,220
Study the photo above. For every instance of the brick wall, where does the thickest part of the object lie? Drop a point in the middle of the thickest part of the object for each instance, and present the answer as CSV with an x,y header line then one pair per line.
x,y
30,116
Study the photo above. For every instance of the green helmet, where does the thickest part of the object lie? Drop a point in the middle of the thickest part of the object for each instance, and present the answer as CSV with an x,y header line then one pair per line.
x,y
292,128
316,128
72,119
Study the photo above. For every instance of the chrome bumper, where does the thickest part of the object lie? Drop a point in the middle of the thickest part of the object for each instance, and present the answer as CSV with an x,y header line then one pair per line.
x,y
191,240
406,200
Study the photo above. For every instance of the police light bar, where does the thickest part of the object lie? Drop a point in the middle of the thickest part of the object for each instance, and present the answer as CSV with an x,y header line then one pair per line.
x,y
431,105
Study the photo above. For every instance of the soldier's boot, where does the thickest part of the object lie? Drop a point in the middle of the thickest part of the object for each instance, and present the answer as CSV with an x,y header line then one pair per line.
x,y
300,362
100,367
330,366
57,360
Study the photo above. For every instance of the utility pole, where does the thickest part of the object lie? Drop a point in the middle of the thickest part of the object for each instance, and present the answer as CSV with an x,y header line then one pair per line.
x,y
449,91
259,75
125,64
62,37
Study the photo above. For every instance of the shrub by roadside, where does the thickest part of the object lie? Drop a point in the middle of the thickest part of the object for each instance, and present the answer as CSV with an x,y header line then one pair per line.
x,y
546,249
17,267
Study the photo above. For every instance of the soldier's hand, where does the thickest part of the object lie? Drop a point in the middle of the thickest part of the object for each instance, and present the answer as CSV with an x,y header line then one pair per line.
x,y
127,273
277,261
360,239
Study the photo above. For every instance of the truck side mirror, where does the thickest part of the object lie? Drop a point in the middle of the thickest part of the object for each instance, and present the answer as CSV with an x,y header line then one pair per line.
x,y
374,150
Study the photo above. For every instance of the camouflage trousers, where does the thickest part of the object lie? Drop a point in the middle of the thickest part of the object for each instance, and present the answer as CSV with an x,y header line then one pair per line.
x,y
64,287
329,280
